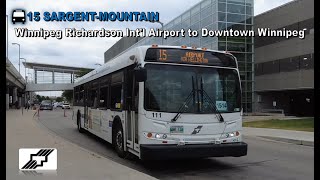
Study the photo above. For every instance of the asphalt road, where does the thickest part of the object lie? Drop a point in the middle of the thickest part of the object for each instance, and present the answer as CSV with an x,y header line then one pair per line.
x,y
266,159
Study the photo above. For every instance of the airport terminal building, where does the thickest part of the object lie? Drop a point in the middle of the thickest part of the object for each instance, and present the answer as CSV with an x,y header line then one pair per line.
x,y
214,15
284,68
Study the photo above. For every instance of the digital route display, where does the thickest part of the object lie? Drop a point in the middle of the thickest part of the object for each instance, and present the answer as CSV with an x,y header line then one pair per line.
x,y
187,56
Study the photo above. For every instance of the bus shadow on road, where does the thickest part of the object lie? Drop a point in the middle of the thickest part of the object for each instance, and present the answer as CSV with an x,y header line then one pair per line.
x,y
185,167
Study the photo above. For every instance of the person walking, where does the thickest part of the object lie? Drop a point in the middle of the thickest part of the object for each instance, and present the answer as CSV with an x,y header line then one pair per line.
x,y
37,109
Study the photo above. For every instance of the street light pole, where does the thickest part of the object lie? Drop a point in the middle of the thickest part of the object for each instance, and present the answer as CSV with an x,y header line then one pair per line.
x,y
7,36
25,68
19,54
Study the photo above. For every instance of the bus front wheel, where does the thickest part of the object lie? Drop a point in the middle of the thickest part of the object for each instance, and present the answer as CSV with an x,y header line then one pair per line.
x,y
118,141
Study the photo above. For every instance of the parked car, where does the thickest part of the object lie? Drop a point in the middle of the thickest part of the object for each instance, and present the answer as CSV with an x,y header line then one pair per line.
x,y
46,105
60,104
66,106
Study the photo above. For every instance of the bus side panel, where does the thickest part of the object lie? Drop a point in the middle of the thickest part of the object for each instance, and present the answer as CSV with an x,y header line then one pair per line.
x,y
106,125
100,122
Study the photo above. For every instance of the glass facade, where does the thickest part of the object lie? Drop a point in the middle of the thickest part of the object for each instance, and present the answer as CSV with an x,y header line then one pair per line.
x,y
214,15
51,77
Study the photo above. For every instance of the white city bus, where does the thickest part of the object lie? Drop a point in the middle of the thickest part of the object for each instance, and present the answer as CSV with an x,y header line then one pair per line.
x,y
160,102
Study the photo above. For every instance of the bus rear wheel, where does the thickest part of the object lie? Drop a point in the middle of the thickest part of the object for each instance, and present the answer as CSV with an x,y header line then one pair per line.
x,y
118,141
80,129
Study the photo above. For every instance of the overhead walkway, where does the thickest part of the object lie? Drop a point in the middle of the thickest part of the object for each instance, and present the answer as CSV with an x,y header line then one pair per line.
x,y
49,77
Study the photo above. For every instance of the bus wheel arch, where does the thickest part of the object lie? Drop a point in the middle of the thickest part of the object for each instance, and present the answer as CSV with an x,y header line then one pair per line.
x,y
118,137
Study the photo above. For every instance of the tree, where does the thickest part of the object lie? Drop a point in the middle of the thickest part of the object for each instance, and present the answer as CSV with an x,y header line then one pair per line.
x,y
68,94
39,98
59,99
47,98
82,72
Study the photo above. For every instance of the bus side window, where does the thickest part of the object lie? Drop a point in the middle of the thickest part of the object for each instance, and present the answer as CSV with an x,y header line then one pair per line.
x,y
81,96
103,104
116,96
94,99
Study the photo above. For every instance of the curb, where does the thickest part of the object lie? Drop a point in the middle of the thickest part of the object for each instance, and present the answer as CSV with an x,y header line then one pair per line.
x,y
293,141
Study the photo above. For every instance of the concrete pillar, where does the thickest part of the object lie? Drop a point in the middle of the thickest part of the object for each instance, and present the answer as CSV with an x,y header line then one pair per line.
x,y
7,98
14,95
19,101
72,77
24,99
7,101
35,76
52,77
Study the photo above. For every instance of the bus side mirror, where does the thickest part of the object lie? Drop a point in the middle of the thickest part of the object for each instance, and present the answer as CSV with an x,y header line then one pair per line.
x,y
140,74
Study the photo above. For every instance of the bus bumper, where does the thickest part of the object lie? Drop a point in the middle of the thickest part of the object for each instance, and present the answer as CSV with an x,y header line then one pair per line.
x,y
161,152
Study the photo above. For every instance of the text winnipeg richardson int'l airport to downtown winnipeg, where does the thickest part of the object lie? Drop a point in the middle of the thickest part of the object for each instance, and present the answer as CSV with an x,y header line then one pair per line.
x,y
140,32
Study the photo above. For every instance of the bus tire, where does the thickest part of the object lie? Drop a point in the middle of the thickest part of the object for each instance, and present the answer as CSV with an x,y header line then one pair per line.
x,y
118,141
80,129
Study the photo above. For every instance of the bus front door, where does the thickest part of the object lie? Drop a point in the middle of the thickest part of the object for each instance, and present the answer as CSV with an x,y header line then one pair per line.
x,y
132,117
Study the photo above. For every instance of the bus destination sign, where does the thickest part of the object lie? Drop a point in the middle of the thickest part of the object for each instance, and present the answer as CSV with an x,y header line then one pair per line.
x,y
194,57
187,56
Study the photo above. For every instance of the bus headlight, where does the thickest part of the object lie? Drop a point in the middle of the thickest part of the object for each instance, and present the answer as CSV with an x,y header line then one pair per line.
x,y
150,135
232,134
158,136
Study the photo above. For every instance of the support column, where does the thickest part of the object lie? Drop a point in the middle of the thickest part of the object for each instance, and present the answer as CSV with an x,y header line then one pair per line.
x,y
14,95
7,98
72,77
52,77
19,101
35,76
24,99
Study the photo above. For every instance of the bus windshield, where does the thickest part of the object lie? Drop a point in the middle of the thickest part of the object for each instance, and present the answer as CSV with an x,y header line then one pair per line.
x,y
168,86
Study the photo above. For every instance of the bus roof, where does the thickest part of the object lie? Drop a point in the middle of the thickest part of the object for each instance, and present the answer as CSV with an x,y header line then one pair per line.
x,y
123,60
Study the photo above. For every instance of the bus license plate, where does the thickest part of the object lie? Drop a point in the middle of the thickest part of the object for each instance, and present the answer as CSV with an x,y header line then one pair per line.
x,y
176,129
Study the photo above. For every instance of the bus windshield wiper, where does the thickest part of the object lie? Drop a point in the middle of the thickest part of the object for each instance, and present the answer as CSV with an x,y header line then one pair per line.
x,y
205,96
185,103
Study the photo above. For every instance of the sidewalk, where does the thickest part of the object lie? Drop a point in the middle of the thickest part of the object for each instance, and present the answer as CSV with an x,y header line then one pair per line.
x,y
296,137
74,162
261,118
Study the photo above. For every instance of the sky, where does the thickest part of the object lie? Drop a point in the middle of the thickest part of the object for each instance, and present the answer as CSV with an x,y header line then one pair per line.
x,y
86,52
